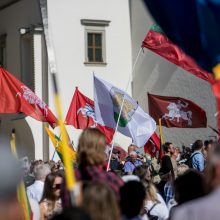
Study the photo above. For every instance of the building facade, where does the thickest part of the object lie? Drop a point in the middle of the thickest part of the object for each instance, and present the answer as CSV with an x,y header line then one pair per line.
x,y
98,37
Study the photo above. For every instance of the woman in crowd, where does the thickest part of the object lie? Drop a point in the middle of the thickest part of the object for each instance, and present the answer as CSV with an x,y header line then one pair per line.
x,y
91,157
99,201
155,205
50,203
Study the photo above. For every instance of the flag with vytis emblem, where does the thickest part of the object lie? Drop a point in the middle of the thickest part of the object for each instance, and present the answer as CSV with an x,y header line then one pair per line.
x,y
133,121
58,145
176,112
16,97
158,42
152,147
81,115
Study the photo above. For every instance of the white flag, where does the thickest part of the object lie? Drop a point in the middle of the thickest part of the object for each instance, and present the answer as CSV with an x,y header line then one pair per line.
x,y
134,122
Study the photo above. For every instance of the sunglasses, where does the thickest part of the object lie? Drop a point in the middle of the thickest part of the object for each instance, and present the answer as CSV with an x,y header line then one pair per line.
x,y
57,186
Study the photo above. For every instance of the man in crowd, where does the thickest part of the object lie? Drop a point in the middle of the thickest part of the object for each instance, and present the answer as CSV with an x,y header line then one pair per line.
x,y
166,163
131,163
206,207
197,158
35,190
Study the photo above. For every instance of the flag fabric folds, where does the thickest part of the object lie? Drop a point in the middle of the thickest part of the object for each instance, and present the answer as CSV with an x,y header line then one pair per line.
x,y
81,115
193,25
134,122
152,147
16,97
158,42
58,144
176,112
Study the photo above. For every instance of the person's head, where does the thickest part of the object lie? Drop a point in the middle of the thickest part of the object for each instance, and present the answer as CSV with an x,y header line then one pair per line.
x,y
133,156
91,147
52,186
212,172
151,192
189,186
181,169
115,154
11,175
198,145
143,172
131,148
168,148
132,196
99,201
72,213
41,171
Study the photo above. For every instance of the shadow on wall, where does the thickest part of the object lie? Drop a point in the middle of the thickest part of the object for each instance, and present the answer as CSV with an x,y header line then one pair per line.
x,y
152,74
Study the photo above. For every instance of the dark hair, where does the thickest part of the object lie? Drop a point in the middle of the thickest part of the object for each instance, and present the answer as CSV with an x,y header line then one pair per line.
x,y
141,171
189,186
48,186
72,213
132,198
198,144
166,147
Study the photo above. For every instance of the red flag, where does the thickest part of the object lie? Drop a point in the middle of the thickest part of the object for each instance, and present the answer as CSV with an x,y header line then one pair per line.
x,y
158,42
176,112
153,145
81,115
16,97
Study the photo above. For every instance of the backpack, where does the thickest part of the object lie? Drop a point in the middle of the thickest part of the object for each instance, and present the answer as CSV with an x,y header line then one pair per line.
x,y
152,217
189,161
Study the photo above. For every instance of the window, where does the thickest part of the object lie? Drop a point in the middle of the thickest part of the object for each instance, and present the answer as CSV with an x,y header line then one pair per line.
x,y
3,50
95,48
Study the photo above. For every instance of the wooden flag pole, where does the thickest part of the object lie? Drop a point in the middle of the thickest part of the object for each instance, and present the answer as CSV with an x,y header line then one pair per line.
x,y
161,132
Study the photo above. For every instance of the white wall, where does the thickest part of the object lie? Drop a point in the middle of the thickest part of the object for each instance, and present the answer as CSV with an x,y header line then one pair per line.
x,y
68,38
156,75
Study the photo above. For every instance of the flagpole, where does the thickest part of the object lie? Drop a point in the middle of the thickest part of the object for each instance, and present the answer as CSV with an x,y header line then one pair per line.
x,y
69,169
161,138
122,105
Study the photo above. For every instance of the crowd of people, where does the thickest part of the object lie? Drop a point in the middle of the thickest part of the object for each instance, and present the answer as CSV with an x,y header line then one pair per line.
x,y
182,184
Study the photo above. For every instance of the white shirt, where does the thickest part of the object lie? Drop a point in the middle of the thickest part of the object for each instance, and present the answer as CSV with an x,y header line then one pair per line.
x,y
35,191
35,208
159,210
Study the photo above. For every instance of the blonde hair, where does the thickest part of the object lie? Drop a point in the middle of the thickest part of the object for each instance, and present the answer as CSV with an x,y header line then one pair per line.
x,y
91,147
151,192
181,169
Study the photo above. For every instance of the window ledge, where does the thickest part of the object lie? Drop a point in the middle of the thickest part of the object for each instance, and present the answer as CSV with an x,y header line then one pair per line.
x,y
95,63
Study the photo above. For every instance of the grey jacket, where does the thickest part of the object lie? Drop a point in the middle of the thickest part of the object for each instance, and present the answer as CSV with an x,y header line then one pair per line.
x,y
206,208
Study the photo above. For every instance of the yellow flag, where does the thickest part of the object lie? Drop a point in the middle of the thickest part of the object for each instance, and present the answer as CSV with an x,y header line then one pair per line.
x,y
58,145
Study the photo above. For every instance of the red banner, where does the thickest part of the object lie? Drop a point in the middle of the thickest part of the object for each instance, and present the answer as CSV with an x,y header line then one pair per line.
x,y
81,115
16,97
176,112
160,44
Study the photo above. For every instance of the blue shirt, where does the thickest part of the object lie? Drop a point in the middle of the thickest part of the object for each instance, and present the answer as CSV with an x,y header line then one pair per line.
x,y
198,161
130,166
168,191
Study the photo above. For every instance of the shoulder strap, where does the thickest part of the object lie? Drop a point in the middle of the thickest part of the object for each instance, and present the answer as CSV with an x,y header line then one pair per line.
x,y
194,155
152,207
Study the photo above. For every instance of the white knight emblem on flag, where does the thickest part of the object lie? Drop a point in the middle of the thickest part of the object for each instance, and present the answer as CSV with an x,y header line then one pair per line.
x,y
88,111
31,98
175,112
